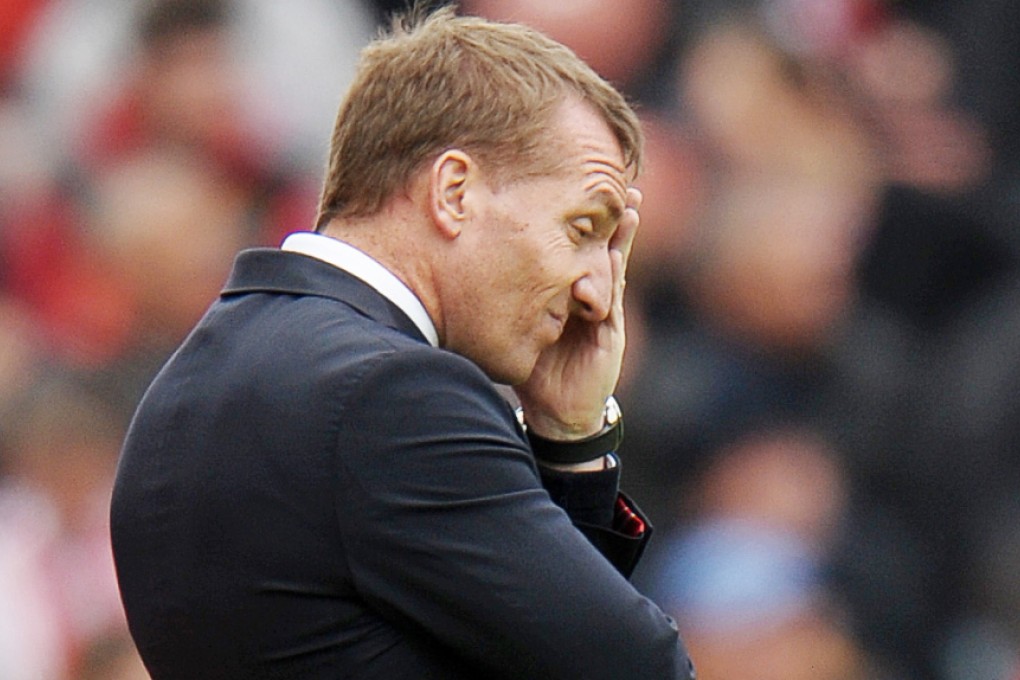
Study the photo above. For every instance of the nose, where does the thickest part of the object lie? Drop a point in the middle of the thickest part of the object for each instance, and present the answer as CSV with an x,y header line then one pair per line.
x,y
593,290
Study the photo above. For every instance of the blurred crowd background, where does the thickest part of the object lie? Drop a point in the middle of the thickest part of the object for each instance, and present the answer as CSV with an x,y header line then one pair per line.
x,y
821,387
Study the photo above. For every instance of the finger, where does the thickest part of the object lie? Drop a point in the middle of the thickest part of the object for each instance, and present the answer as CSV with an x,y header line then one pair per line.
x,y
613,328
623,239
619,267
634,197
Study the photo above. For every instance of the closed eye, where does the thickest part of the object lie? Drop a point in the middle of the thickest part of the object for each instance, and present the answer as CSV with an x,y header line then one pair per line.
x,y
583,227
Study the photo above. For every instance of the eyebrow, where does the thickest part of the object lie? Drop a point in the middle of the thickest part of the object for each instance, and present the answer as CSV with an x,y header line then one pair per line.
x,y
608,201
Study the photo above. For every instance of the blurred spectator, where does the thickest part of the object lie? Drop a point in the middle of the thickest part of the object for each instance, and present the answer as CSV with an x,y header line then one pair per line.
x,y
164,228
751,604
182,100
774,266
188,89
761,112
627,43
986,51
56,569
119,281
768,84
291,64
47,267
746,575
905,74
935,251
782,477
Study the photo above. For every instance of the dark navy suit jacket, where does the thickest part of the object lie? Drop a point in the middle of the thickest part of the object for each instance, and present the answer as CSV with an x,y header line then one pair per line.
x,y
310,490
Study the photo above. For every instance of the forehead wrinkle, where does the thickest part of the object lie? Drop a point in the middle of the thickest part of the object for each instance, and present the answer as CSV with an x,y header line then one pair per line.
x,y
597,154
605,166
610,185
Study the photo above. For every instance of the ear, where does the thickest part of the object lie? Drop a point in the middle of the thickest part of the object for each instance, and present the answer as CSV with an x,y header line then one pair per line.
x,y
451,176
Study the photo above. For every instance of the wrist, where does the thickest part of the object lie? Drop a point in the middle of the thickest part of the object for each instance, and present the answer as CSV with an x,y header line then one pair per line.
x,y
578,450
606,462
563,428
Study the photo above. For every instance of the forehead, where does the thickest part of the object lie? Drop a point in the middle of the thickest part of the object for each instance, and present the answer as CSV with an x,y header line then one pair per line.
x,y
590,150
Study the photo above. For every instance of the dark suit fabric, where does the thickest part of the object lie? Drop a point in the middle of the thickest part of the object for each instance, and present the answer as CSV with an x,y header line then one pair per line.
x,y
310,490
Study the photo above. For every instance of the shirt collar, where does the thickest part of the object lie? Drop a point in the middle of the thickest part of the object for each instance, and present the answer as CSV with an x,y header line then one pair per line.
x,y
364,267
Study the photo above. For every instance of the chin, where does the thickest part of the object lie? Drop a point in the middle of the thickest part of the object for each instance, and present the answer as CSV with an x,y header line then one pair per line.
x,y
504,363
507,371
509,376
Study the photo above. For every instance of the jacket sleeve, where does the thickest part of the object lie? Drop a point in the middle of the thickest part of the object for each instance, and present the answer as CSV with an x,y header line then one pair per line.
x,y
610,520
448,529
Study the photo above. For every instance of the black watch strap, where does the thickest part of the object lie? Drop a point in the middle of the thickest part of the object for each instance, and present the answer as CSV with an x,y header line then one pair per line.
x,y
607,440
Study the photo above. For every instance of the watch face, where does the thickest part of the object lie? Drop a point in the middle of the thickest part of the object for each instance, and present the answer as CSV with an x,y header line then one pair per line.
x,y
613,412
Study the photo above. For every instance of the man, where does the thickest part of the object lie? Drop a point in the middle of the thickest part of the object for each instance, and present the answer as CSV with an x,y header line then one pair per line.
x,y
324,481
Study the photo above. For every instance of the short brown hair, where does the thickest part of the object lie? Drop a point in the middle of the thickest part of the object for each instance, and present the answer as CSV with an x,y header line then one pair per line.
x,y
438,81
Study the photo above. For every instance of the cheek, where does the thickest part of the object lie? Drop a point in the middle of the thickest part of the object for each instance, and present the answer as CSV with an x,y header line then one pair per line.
x,y
526,270
517,274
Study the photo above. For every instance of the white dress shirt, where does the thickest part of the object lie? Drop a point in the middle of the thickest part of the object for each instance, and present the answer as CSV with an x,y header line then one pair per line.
x,y
358,264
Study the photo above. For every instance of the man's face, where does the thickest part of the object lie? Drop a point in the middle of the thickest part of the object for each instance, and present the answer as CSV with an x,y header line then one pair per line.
x,y
539,252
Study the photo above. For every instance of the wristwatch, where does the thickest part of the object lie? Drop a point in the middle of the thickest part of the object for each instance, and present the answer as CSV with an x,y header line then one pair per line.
x,y
606,440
